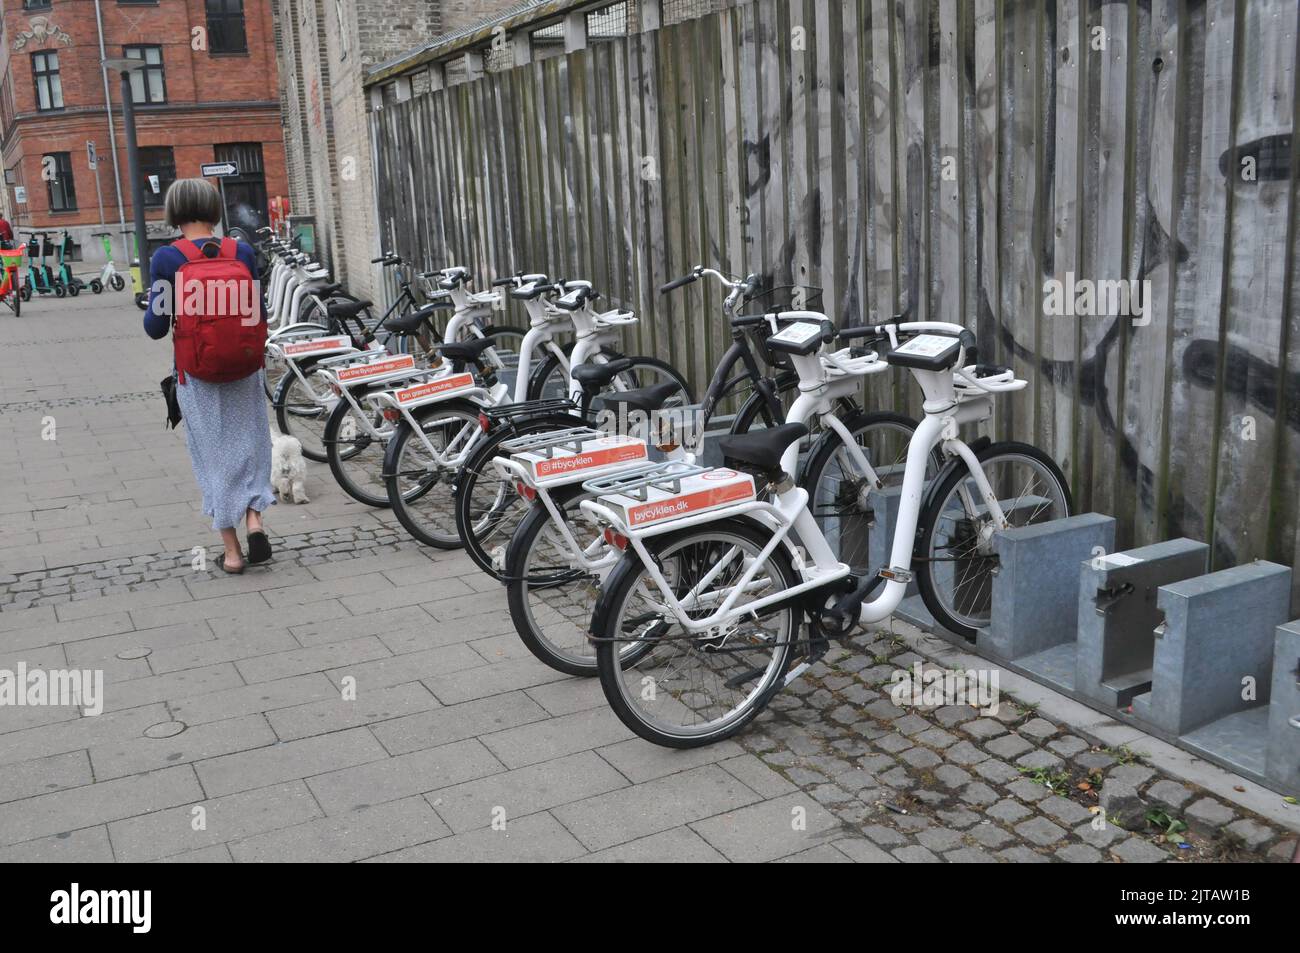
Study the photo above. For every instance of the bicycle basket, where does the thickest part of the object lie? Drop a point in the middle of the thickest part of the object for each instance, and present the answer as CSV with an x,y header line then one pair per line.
x,y
12,257
777,298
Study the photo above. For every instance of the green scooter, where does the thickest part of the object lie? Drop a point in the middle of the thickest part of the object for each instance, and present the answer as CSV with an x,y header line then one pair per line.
x,y
40,276
110,277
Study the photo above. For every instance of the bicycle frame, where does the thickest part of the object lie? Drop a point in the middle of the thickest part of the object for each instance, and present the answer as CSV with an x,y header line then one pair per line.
x,y
951,396
599,556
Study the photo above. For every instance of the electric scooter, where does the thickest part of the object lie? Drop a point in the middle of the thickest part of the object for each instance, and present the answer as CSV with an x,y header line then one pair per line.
x,y
110,276
63,273
40,277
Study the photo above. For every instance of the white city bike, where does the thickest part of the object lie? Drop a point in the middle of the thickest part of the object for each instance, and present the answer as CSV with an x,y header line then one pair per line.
x,y
718,583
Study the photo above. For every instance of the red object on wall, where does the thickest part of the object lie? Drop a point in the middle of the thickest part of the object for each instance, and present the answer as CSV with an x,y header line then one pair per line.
x,y
280,216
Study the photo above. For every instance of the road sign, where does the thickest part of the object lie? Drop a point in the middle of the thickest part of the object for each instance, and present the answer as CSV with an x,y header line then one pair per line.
x,y
219,169
91,158
20,195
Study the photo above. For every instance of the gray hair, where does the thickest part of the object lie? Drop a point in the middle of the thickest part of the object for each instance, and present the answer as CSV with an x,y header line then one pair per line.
x,y
192,200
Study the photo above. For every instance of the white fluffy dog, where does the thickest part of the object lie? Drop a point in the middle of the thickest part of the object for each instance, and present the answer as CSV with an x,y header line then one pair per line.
x,y
288,470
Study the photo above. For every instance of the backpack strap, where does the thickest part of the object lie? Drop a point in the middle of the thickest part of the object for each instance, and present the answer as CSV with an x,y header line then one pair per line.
x,y
228,248
189,249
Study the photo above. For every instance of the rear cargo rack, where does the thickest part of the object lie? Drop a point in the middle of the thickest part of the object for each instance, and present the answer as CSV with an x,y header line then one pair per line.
x,y
545,444
530,407
666,476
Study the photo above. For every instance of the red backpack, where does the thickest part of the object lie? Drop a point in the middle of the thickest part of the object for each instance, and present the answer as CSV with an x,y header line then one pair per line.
x,y
219,333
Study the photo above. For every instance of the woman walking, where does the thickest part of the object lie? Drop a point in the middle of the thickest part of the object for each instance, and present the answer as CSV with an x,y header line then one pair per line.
x,y
225,419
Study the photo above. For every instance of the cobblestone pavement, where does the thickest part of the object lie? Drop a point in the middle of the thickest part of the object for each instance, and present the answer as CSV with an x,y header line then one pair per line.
x,y
227,693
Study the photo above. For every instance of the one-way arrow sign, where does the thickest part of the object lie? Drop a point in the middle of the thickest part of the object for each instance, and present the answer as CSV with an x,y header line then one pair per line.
x,y
220,169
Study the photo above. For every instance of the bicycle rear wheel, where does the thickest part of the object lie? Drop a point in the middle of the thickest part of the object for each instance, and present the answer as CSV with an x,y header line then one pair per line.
x,y
298,415
954,545
356,457
488,508
692,690
551,598
419,487
277,367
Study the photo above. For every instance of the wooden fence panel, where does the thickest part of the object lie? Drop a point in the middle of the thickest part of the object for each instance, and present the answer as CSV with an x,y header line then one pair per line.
x,y
946,156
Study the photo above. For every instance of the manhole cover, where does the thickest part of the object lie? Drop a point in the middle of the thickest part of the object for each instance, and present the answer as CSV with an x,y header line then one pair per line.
x,y
141,651
164,729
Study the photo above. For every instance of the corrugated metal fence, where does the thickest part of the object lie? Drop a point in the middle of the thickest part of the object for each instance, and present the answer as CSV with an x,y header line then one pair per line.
x,y
949,156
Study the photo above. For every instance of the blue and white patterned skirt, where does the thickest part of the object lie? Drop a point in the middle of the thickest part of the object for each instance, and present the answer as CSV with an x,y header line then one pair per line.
x,y
229,438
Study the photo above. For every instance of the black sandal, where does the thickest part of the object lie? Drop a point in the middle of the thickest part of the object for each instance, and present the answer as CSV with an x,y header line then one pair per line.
x,y
221,564
259,547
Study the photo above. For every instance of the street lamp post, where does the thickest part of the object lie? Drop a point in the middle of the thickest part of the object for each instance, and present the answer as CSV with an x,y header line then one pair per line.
x,y
125,65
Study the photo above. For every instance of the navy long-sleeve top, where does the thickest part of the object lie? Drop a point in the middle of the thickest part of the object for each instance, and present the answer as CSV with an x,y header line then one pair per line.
x,y
164,264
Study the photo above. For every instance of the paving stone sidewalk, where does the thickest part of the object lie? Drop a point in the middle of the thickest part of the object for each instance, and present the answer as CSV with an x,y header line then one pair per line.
x,y
228,694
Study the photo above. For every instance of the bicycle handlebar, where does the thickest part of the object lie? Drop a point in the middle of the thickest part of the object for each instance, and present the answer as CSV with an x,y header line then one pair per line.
x,y
679,282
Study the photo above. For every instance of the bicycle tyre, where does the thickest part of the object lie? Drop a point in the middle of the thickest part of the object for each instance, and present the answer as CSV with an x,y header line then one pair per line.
x,y
312,448
934,511
338,450
522,582
619,587
814,472
473,529
404,502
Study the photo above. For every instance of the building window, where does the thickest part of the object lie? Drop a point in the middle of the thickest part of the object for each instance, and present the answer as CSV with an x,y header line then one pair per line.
x,y
36,4
342,32
226,26
62,190
157,161
49,88
148,84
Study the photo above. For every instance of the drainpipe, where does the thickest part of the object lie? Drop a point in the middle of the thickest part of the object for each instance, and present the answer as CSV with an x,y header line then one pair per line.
x,y
112,136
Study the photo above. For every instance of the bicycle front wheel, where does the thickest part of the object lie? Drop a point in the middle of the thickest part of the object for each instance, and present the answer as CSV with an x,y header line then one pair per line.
x,y
954,544
842,497
689,690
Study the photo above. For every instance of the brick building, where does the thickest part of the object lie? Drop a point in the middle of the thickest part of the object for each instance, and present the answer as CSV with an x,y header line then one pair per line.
x,y
208,92
325,47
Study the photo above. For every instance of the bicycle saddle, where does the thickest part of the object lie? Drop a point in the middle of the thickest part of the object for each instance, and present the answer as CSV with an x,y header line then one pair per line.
x,y
762,449
465,350
410,322
347,309
644,399
592,377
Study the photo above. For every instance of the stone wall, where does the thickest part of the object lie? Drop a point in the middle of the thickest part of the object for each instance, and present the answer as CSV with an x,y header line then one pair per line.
x,y
324,48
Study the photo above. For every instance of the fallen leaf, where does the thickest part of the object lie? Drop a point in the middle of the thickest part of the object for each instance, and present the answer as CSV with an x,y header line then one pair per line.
x,y
1084,786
